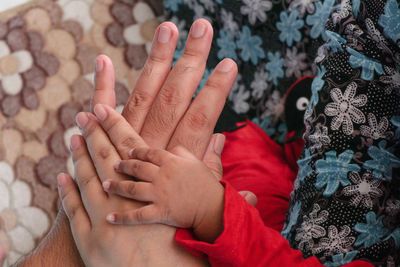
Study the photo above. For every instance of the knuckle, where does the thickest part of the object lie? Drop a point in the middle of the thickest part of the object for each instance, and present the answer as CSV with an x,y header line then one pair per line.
x,y
215,83
131,189
83,182
138,215
169,95
89,129
183,69
129,142
157,57
103,153
197,120
138,100
112,124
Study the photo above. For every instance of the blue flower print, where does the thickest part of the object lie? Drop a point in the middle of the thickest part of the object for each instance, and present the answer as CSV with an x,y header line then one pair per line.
x,y
390,20
319,18
227,45
250,46
383,161
396,237
335,42
317,85
289,27
333,170
274,67
265,124
370,232
396,122
304,165
340,259
172,4
368,65
294,214
356,7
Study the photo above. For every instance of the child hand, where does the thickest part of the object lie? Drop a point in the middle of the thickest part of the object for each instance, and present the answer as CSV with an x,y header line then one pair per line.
x,y
181,190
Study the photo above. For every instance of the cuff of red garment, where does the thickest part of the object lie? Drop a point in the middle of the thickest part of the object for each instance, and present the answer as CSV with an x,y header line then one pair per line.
x,y
218,249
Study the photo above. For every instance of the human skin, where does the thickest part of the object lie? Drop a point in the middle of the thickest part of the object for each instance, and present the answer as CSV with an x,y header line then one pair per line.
x,y
160,110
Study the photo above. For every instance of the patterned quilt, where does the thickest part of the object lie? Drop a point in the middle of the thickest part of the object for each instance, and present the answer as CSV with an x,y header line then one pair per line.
x,y
47,54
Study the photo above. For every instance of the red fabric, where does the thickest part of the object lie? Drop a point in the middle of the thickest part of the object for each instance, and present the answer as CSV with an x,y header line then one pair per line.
x,y
251,236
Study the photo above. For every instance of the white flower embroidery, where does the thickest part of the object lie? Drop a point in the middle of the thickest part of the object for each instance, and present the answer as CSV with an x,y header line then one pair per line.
x,y
294,62
345,108
392,79
228,22
274,105
342,12
364,190
238,96
11,67
310,228
336,242
79,11
319,138
259,84
256,9
20,223
375,130
393,207
303,6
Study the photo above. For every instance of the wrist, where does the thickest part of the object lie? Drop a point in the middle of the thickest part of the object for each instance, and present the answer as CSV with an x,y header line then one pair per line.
x,y
210,225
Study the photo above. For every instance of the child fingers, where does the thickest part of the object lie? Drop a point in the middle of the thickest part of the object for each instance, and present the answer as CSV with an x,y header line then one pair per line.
x,y
135,190
146,215
141,170
155,156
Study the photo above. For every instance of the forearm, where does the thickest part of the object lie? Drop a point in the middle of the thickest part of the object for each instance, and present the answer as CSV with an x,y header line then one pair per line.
x,y
56,249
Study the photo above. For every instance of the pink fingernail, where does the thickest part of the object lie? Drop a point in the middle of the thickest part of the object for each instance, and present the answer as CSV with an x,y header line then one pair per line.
x,y
164,34
225,65
75,142
61,180
99,64
198,29
116,165
106,185
110,218
81,120
100,112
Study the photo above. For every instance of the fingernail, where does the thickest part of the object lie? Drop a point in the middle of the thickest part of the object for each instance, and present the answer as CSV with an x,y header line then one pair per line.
x,y
81,120
219,144
106,185
198,29
164,34
225,66
75,142
99,65
100,112
110,218
116,165
61,180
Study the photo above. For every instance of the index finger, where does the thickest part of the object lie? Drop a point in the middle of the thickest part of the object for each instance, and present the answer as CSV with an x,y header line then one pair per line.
x,y
104,92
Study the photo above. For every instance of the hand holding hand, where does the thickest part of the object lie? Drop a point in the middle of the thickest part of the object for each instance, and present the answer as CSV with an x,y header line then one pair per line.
x,y
182,190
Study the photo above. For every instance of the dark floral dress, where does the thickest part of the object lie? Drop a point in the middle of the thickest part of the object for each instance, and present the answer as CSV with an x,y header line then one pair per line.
x,y
346,200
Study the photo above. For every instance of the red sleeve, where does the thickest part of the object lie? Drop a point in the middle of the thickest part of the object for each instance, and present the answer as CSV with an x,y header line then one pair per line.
x,y
246,241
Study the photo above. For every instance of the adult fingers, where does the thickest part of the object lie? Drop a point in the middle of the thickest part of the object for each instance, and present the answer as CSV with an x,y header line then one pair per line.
x,y
175,95
146,215
250,197
156,156
92,193
73,206
135,190
153,75
120,132
101,150
212,157
141,170
196,127
104,92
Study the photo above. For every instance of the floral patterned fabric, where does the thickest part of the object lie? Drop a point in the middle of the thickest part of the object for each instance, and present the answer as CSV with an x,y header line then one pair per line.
x,y
346,200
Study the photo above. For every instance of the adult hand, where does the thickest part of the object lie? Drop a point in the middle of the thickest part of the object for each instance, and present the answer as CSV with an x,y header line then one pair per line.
x,y
159,110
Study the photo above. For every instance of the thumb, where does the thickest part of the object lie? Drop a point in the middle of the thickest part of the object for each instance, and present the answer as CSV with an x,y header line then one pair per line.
x,y
250,197
212,157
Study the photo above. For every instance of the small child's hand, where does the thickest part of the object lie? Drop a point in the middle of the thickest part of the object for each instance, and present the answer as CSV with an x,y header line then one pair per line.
x,y
181,190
